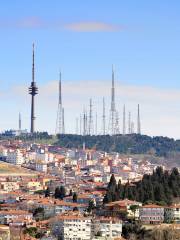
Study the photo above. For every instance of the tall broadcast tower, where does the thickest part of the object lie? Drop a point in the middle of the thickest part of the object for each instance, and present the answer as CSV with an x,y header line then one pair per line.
x,y
33,90
112,119
60,128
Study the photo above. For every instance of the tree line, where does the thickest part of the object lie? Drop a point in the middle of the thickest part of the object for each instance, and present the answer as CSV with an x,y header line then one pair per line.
x,y
130,143
161,187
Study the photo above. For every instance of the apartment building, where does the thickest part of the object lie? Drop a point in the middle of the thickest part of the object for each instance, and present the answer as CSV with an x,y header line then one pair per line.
x,y
151,214
15,157
107,227
172,214
72,226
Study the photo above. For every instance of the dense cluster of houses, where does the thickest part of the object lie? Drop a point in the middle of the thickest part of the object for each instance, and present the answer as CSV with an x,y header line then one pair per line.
x,y
23,204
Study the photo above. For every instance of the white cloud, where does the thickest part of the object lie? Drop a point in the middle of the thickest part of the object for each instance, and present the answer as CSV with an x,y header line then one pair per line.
x,y
34,22
93,27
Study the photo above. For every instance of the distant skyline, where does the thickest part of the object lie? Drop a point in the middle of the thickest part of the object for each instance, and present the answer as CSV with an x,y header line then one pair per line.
x,y
83,39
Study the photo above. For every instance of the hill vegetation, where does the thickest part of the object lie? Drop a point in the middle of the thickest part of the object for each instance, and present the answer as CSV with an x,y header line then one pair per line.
x,y
131,143
124,144
161,187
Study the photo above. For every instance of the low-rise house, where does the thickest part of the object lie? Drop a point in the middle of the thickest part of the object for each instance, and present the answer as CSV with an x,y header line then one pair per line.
x,y
81,198
117,208
6,217
151,214
53,207
9,186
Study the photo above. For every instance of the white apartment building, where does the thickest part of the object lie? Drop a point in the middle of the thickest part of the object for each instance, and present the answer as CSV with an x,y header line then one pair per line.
x,y
41,166
107,227
72,226
15,157
172,214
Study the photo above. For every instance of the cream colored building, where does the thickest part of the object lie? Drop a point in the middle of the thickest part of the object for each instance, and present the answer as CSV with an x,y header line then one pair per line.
x,y
15,157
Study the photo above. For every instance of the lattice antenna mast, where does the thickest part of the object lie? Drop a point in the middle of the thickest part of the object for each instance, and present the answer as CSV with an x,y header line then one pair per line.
x,y
132,127
124,120
129,123
117,130
138,122
84,123
113,109
63,122
19,121
33,90
90,118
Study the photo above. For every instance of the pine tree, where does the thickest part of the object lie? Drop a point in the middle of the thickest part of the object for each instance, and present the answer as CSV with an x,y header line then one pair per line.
x,y
75,197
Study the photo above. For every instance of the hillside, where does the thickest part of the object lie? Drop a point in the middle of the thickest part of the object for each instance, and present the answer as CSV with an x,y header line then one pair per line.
x,y
132,144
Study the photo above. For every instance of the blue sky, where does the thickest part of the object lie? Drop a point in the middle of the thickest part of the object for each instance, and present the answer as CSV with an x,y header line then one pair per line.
x,y
84,38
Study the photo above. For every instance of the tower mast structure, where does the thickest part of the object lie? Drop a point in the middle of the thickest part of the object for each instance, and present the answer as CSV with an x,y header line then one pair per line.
x,y
117,130
129,123
138,122
63,122
33,90
112,119
84,122
90,132
19,122
60,128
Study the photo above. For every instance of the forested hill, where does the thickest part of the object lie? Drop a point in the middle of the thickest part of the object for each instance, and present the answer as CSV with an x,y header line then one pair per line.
x,y
131,143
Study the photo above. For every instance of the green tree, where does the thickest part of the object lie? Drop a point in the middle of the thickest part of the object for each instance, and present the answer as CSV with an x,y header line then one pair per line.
x,y
75,197
91,206
47,192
